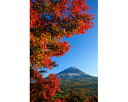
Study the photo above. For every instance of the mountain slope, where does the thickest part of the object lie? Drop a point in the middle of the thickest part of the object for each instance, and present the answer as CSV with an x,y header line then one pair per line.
x,y
73,73
74,79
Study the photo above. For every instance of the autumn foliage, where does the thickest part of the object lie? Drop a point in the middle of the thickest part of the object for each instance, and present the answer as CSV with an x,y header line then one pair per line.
x,y
50,21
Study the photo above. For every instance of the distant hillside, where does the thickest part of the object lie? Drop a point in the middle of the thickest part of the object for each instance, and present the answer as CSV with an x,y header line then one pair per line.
x,y
73,73
74,79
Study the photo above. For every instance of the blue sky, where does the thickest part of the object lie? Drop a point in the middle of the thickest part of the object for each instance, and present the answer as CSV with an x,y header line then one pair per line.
x,y
83,53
